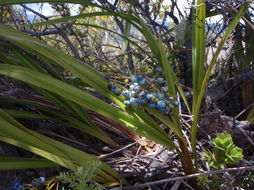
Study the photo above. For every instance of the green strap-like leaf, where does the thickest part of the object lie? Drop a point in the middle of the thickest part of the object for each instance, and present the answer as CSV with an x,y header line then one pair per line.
x,y
197,103
12,163
14,133
86,100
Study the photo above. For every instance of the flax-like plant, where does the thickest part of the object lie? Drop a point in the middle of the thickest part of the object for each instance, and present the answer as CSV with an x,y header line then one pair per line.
x,y
75,99
198,64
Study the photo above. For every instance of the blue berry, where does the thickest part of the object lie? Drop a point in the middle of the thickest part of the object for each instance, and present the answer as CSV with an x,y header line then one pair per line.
x,y
138,100
167,109
133,93
127,103
113,90
139,77
149,96
127,94
18,186
152,105
161,104
160,95
167,101
41,180
170,98
162,110
142,94
133,102
158,69
160,80
106,77
136,88
34,183
142,82
143,101
164,88
134,79
117,91
176,103
131,87
113,86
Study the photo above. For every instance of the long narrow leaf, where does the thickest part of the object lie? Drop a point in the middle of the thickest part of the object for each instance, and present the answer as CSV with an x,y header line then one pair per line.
x,y
84,99
12,163
208,72
14,133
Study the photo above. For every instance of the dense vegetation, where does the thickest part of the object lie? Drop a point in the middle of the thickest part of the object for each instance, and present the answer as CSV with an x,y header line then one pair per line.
x,y
99,75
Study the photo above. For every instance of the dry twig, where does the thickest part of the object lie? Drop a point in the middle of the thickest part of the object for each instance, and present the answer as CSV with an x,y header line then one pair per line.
x,y
184,178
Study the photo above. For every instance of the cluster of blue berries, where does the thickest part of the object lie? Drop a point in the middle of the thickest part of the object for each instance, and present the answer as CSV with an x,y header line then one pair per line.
x,y
35,182
145,91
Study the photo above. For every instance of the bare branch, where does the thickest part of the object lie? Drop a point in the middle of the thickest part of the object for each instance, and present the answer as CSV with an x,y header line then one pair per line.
x,y
149,184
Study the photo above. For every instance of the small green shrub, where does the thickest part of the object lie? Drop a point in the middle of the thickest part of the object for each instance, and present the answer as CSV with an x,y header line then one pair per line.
x,y
81,178
224,152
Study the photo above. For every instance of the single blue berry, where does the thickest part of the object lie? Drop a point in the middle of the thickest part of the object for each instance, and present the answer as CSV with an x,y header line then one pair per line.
x,y
149,96
131,87
170,98
142,94
117,91
164,89
139,77
16,185
167,109
176,103
162,110
134,79
133,102
41,180
113,90
137,100
160,95
152,105
143,101
158,70
161,104
127,94
167,101
113,86
133,94
106,76
142,82
160,80
127,102
136,88
34,183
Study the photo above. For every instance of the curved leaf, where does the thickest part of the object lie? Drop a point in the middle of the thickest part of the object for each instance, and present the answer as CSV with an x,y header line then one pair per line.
x,y
86,100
